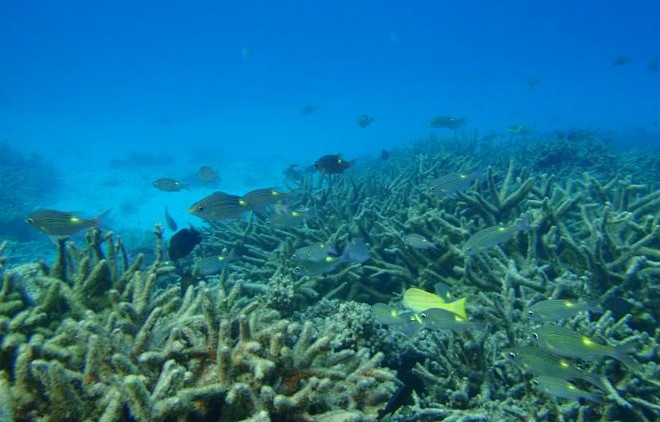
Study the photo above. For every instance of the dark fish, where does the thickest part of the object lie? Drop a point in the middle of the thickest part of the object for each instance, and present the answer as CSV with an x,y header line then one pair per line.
x,y
332,164
308,109
384,155
183,242
447,122
170,221
533,81
170,185
219,206
207,174
620,60
364,120
259,198
61,223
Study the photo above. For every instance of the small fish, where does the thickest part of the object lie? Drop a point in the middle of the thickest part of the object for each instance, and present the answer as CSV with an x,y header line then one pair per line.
x,y
169,220
401,320
363,120
332,164
61,223
384,154
566,342
418,300
620,60
417,241
259,198
207,175
442,319
211,264
451,183
246,53
288,218
563,389
532,81
316,252
219,206
308,109
555,309
447,122
518,129
311,268
169,185
442,290
183,242
356,250
535,360
385,314
491,236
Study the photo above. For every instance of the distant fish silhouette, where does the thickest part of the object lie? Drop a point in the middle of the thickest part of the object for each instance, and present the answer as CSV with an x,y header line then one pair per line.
x,y
620,60
170,221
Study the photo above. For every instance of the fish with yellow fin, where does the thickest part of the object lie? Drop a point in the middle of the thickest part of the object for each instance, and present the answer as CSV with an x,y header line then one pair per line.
x,y
418,300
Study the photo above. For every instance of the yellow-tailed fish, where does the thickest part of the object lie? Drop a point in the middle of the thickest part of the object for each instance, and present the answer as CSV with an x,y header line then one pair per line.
x,y
555,309
534,360
219,206
442,319
563,389
566,342
418,300
61,223
491,236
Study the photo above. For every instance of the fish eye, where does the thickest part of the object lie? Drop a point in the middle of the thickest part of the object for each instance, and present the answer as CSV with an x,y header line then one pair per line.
x,y
201,208
536,336
535,382
297,270
530,314
29,220
432,189
422,316
512,356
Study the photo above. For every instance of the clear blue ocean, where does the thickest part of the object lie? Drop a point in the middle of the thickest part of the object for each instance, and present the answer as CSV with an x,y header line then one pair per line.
x,y
222,83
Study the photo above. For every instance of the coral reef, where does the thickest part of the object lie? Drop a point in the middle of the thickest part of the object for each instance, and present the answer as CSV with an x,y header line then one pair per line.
x,y
96,335
97,339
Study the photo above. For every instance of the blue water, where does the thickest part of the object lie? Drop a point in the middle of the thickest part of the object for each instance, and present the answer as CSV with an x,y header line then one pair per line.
x,y
221,83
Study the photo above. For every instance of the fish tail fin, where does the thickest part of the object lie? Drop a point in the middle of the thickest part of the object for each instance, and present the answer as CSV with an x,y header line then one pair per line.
x,y
458,307
99,219
621,353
